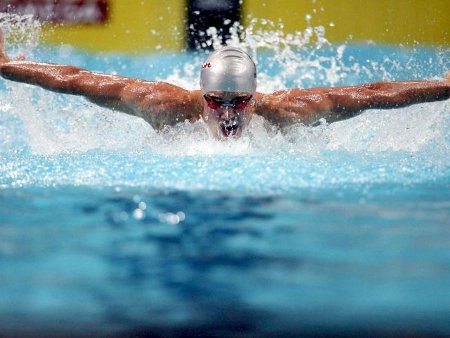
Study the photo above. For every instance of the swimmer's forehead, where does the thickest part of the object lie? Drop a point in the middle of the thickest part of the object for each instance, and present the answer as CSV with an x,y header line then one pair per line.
x,y
226,94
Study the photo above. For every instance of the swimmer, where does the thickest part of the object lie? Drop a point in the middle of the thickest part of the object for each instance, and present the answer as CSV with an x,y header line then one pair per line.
x,y
227,99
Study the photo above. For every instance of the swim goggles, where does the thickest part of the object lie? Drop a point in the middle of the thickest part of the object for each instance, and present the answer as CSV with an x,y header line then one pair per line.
x,y
239,102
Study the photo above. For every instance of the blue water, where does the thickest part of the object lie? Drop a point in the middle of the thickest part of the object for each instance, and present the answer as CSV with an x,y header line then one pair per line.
x,y
109,228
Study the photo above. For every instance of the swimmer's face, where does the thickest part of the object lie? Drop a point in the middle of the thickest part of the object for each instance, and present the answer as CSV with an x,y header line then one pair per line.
x,y
228,113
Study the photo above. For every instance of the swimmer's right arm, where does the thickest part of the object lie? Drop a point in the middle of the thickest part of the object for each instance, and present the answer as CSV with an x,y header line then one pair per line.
x,y
158,103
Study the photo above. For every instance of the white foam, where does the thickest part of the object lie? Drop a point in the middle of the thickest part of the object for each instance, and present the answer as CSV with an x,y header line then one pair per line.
x,y
405,129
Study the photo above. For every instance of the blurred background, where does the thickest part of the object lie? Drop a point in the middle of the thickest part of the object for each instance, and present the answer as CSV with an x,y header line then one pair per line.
x,y
136,26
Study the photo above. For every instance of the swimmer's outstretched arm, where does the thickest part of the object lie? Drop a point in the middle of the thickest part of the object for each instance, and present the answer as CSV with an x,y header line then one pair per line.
x,y
340,103
158,103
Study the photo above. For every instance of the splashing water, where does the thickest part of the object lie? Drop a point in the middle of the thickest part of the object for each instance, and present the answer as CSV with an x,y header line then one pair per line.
x,y
44,125
110,228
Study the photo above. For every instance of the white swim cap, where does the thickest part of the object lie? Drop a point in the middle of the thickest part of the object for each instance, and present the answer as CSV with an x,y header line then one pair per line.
x,y
228,69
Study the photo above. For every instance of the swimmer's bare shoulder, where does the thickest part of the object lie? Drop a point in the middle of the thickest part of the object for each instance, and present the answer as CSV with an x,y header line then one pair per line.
x,y
307,106
158,103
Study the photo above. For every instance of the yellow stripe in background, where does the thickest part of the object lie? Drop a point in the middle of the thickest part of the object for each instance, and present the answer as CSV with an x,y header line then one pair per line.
x,y
383,21
150,25
134,26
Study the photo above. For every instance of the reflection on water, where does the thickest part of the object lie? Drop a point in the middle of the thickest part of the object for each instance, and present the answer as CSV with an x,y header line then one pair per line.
x,y
311,261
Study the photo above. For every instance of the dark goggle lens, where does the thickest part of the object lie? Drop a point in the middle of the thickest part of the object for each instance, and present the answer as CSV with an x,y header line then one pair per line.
x,y
213,103
241,102
236,103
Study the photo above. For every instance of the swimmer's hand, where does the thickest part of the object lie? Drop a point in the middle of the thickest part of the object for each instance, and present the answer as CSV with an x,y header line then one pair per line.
x,y
4,58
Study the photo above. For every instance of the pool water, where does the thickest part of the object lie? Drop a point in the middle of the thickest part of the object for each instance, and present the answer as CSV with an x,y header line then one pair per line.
x,y
109,228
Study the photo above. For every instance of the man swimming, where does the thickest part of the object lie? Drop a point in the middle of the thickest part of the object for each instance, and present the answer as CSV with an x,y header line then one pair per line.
x,y
227,99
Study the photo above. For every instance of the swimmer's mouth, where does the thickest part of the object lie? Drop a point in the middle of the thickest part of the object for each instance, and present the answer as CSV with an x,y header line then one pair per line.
x,y
229,127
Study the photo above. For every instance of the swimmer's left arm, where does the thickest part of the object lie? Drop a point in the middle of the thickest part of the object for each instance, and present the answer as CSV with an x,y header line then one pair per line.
x,y
340,103
347,102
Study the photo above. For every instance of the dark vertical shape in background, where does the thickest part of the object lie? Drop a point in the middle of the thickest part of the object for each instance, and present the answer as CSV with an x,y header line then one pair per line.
x,y
203,14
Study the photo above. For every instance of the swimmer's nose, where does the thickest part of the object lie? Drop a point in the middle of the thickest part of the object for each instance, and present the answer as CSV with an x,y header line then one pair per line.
x,y
228,113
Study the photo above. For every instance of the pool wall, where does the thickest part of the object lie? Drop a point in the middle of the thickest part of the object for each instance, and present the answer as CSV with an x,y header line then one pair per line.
x,y
146,26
